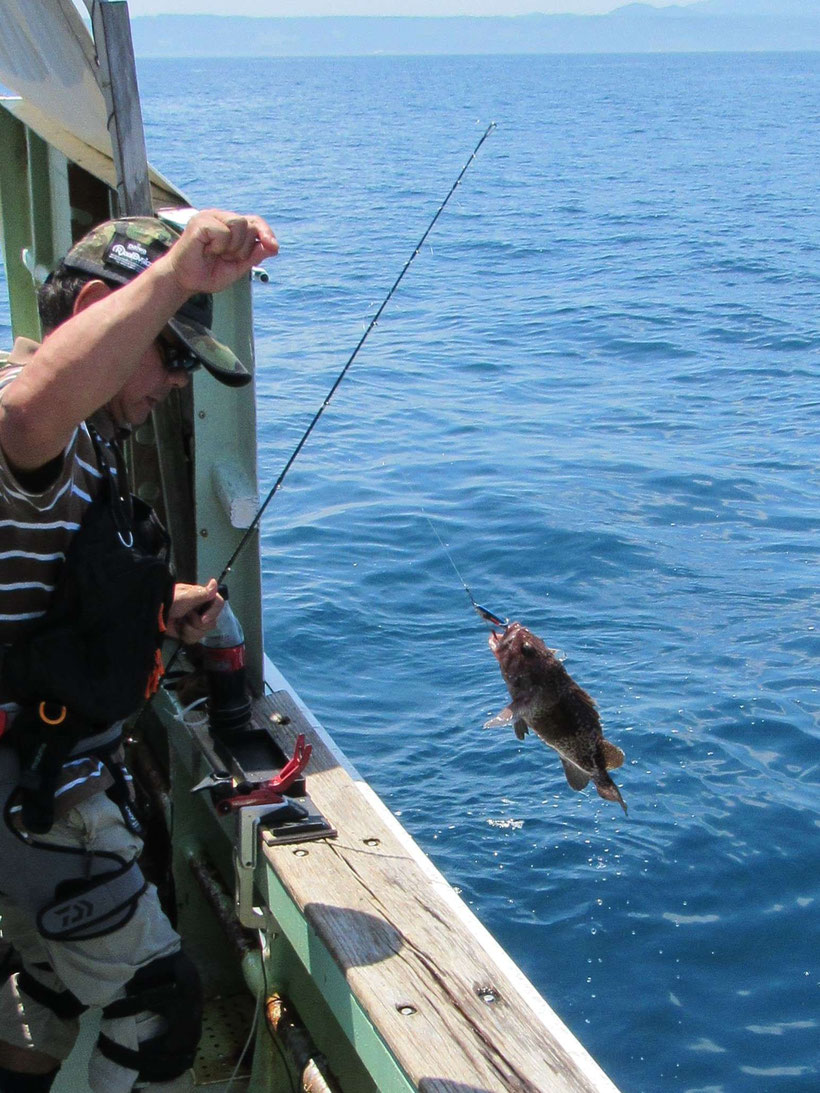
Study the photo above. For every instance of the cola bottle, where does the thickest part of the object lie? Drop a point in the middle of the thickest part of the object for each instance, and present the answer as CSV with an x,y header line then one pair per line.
x,y
229,705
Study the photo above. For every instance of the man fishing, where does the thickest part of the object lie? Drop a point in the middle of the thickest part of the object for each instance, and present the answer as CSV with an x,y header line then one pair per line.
x,y
86,595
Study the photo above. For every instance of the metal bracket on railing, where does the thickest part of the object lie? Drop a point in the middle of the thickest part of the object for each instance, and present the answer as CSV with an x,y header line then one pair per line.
x,y
246,849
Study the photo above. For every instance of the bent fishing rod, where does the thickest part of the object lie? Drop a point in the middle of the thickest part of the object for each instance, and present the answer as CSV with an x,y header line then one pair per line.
x,y
294,455
254,524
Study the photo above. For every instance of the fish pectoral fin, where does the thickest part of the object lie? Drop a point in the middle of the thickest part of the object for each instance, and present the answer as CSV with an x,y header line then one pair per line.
x,y
577,778
503,718
614,756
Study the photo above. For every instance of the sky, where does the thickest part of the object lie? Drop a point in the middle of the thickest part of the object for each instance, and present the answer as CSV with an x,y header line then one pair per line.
x,y
379,7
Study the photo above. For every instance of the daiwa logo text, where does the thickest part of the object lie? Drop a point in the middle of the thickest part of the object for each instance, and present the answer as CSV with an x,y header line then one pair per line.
x,y
75,913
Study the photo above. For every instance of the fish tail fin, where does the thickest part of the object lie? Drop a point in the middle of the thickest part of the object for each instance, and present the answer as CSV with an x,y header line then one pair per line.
x,y
613,756
610,792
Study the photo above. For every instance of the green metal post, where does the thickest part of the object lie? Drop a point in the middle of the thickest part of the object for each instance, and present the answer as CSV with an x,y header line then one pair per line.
x,y
50,204
16,225
225,431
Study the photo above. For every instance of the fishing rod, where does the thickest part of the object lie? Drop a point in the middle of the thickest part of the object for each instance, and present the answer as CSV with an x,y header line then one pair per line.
x,y
487,615
294,455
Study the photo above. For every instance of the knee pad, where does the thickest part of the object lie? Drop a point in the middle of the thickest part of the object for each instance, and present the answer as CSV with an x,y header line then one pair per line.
x,y
170,988
83,910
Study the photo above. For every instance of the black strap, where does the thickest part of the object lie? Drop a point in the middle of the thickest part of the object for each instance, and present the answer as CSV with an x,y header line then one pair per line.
x,y
44,738
110,454
10,962
120,792
125,1057
155,1061
64,1004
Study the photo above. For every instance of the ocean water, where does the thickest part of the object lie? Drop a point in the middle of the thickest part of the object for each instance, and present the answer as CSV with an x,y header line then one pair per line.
x,y
598,382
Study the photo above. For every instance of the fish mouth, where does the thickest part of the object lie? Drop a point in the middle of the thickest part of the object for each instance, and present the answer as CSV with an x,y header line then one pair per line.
x,y
495,639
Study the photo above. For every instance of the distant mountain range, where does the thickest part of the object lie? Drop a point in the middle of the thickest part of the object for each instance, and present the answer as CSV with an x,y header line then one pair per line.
x,y
708,26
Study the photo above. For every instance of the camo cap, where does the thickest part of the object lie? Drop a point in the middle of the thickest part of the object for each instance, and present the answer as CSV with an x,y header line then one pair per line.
x,y
116,251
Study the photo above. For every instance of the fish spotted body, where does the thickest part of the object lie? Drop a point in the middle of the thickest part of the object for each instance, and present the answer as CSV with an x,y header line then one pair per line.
x,y
546,699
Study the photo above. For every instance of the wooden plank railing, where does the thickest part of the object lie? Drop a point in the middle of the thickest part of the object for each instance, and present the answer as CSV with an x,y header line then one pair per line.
x,y
454,1011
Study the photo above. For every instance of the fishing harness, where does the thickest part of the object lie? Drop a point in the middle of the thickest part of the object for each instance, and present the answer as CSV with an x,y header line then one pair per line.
x,y
95,654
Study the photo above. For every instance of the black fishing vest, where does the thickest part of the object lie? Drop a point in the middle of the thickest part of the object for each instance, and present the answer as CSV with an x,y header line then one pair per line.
x,y
94,656
95,649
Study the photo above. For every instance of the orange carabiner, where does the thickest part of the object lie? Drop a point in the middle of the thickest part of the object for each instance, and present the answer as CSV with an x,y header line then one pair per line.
x,y
52,720
156,674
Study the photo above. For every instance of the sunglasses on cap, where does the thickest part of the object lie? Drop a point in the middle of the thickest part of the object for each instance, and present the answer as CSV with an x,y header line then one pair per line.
x,y
177,357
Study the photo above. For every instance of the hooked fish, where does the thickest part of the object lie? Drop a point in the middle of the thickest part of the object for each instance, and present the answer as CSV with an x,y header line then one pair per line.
x,y
547,699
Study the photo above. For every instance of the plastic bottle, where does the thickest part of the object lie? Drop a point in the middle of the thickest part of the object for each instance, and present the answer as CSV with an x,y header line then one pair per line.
x,y
229,706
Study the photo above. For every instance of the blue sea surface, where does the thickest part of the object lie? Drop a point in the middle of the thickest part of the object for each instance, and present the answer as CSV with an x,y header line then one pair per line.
x,y
598,383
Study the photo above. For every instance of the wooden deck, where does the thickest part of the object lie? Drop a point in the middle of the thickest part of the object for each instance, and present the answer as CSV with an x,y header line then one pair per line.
x,y
453,1010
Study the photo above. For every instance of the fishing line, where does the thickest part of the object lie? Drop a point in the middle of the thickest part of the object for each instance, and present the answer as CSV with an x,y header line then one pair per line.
x,y
484,612
277,484
487,615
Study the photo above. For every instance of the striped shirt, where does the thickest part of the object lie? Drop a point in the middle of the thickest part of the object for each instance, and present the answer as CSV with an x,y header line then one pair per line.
x,y
36,528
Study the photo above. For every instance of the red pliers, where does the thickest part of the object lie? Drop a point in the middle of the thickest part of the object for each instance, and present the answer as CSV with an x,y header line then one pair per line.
x,y
270,792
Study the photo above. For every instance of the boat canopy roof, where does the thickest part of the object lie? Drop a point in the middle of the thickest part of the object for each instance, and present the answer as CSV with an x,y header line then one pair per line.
x,y
48,58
